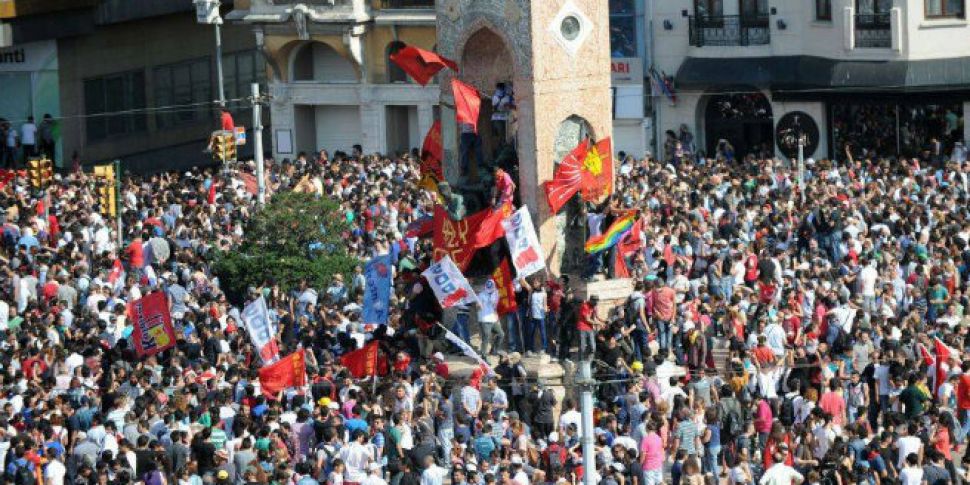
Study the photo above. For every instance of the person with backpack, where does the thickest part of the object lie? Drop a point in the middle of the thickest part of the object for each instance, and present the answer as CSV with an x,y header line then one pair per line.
x,y
554,457
635,312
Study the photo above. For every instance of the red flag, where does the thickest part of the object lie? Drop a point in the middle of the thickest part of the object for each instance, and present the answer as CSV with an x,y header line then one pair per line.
x,y
116,271
290,371
432,152
460,239
568,178
928,358
152,324
249,180
420,64
362,362
502,276
212,193
597,171
628,245
467,103
942,355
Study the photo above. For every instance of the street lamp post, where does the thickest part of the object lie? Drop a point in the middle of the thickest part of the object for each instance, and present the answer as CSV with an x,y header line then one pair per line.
x,y
207,12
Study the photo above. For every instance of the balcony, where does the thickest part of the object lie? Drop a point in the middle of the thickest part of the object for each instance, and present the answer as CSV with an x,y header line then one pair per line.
x,y
873,31
407,3
729,30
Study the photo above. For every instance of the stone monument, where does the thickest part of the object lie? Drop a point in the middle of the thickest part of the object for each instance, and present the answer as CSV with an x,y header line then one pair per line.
x,y
555,55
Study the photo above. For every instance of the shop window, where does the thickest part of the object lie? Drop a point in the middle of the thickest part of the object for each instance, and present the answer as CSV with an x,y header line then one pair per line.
x,y
623,28
823,10
119,99
945,8
187,87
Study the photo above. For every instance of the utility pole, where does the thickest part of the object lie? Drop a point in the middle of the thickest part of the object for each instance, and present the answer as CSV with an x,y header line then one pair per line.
x,y
207,12
586,383
801,166
117,182
258,145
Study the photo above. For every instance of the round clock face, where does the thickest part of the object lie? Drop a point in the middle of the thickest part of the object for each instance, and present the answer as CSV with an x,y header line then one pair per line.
x,y
569,27
790,128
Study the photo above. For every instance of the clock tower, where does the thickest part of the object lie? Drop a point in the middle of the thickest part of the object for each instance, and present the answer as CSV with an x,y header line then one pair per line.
x,y
554,55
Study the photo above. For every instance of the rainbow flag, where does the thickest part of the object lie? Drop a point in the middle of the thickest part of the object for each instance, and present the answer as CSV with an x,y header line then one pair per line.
x,y
612,235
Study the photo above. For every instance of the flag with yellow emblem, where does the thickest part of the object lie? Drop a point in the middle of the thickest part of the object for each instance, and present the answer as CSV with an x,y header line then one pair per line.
x,y
587,169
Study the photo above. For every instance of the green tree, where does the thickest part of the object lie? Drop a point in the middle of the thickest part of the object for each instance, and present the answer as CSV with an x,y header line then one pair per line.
x,y
293,237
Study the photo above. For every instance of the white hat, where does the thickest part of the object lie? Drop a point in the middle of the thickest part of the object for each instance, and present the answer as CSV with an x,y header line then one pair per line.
x,y
438,356
516,460
553,437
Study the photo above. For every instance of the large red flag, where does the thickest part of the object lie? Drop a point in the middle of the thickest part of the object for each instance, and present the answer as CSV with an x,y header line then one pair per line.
x,y
568,178
467,103
420,64
597,171
152,324
502,276
460,239
362,362
943,355
290,371
432,152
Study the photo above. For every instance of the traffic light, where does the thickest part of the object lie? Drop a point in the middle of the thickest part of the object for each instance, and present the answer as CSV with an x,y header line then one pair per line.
x,y
41,172
106,189
225,149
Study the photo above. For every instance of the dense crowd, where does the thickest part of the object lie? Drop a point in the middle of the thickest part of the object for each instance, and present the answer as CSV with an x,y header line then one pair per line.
x,y
842,310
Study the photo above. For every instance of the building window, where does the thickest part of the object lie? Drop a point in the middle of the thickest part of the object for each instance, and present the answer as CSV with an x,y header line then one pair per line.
x,y
754,8
187,86
119,98
945,8
708,8
394,72
239,71
875,7
823,10
623,28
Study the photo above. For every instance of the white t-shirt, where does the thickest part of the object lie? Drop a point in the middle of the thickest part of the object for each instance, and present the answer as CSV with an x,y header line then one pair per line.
x,y
907,445
537,304
356,457
28,134
54,473
911,476
868,277
781,474
487,303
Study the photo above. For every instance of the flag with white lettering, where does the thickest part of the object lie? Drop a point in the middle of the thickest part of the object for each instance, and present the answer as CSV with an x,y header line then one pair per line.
x,y
261,330
448,284
523,243
377,290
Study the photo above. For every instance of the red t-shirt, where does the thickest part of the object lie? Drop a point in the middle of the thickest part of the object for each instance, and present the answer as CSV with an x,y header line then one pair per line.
x,y
585,315
963,392
136,253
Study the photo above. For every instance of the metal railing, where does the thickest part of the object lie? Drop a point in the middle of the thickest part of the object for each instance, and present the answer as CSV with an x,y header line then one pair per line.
x,y
729,30
873,31
408,3
314,3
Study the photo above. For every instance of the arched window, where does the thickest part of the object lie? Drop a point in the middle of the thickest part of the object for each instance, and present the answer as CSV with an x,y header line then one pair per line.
x,y
394,73
317,61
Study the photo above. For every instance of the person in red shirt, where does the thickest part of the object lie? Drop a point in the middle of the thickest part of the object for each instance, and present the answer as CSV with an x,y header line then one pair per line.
x,y
587,323
135,253
225,119
664,313
963,396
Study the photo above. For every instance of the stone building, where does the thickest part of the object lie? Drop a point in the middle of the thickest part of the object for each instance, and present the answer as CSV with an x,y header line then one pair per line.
x,y
556,55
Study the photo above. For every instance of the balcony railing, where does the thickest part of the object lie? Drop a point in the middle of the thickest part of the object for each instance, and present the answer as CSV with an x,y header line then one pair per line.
x,y
729,30
873,31
314,3
408,3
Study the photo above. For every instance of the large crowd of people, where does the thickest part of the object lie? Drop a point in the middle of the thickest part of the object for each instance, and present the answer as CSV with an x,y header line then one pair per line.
x,y
841,308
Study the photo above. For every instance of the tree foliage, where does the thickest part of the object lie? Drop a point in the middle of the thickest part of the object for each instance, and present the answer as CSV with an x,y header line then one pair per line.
x,y
294,237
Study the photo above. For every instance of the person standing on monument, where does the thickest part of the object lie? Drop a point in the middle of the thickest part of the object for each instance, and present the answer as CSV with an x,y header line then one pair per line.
x,y
504,189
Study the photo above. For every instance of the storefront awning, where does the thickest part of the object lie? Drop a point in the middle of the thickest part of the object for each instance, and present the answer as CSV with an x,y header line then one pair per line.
x,y
809,77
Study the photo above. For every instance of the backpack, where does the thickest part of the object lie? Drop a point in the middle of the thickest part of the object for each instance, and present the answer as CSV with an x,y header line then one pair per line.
x,y
555,459
22,474
841,345
731,423
787,412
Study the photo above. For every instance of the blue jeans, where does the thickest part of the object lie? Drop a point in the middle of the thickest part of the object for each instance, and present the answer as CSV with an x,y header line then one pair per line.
x,y
471,144
965,425
461,327
640,342
664,336
536,324
712,462
514,333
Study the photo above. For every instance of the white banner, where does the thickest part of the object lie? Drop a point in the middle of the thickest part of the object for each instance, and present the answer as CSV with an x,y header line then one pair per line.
x,y
449,285
523,243
261,330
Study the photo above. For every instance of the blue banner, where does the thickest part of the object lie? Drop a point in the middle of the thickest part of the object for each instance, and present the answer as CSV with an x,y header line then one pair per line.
x,y
377,292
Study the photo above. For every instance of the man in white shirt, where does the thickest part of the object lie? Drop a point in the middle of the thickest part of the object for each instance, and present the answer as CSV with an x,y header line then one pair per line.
x,y
492,334
867,280
432,474
28,138
374,477
780,473
55,471
356,457
908,444
537,317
